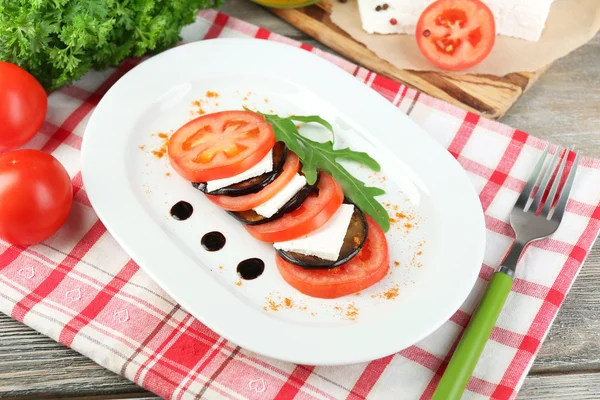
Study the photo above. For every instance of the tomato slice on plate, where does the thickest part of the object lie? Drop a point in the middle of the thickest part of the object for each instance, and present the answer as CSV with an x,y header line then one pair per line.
x,y
220,145
456,34
249,201
362,271
314,212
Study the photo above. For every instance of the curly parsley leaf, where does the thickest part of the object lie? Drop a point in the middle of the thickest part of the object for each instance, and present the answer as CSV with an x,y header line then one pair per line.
x,y
58,41
322,156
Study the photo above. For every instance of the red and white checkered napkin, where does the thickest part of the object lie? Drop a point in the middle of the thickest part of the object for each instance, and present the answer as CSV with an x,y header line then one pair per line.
x,y
82,289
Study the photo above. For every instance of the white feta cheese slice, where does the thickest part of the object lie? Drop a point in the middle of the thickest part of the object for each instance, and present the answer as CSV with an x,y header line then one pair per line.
x,y
262,167
271,206
326,242
405,12
520,19
516,18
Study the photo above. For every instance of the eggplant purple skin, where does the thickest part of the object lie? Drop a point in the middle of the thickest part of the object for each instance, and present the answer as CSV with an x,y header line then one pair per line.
x,y
292,204
252,185
312,262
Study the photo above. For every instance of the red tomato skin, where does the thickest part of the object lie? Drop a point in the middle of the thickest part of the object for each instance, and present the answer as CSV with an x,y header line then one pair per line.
x,y
180,158
291,226
347,278
23,106
36,195
445,62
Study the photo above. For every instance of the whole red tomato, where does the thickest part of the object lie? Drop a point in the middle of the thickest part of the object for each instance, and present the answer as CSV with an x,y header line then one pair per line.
x,y
36,194
23,106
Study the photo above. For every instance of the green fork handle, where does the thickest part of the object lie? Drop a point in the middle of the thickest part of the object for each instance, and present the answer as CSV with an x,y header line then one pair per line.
x,y
467,353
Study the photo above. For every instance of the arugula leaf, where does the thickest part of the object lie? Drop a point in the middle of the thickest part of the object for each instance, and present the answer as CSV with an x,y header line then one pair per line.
x,y
312,118
284,131
322,156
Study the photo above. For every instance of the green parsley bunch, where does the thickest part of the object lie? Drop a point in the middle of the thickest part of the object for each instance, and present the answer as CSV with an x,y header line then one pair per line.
x,y
58,41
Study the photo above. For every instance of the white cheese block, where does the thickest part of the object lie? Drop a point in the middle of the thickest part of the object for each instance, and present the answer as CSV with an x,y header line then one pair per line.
x,y
326,242
524,19
406,13
520,19
271,206
262,167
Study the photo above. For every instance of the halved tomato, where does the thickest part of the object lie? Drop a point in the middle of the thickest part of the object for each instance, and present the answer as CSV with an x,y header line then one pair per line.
x,y
456,34
220,145
314,212
364,270
249,201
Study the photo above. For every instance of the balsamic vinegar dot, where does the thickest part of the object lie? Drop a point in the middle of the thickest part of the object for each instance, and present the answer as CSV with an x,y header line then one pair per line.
x,y
182,210
251,268
213,241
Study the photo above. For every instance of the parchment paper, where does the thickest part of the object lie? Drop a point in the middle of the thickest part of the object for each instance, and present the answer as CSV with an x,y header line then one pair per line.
x,y
571,23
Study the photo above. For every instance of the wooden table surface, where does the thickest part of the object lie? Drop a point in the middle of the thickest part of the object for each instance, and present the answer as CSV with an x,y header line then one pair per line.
x,y
564,107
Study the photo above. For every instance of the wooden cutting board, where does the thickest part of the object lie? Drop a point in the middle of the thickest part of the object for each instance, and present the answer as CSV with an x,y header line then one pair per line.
x,y
487,95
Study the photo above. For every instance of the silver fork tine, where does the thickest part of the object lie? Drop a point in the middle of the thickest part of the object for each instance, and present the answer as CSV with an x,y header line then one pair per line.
x,y
544,184
564,194
550,200
526,192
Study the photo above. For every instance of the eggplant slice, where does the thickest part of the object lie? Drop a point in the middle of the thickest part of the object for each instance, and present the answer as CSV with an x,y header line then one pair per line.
x,y
251,217
252,185
355,238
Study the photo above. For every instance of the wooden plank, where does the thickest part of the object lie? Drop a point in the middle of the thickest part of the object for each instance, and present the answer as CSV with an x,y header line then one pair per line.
x,y
33,365
142,395
575,386
573,343
488,95
564,106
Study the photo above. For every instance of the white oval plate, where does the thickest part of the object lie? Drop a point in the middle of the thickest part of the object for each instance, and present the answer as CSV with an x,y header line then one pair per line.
x,y
436,243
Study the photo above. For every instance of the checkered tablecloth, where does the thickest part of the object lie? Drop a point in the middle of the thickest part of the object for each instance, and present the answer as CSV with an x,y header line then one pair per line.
x,y
80,288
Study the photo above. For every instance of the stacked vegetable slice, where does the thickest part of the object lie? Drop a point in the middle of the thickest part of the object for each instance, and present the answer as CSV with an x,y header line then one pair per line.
x,y
326,246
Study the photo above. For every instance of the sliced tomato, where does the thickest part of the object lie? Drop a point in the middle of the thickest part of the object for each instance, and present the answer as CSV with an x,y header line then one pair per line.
x,y
249,201
314,212
456,34
220,145
364,270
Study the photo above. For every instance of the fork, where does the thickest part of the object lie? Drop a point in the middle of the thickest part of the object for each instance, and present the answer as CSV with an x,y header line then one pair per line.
x,y
529,224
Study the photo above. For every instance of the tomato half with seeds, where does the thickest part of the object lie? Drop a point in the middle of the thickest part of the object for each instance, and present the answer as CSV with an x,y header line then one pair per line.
x,y
456,34
314,212
249,201
220,145
364,270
